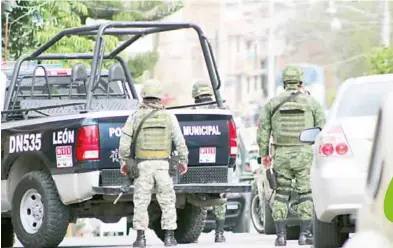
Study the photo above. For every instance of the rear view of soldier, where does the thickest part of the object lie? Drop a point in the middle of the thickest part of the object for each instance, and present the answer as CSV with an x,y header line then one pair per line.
x,y
153,147
284,117
202,92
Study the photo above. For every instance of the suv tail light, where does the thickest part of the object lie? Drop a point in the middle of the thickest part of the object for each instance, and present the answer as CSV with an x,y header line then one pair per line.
x,y
334,143
88,143
232,138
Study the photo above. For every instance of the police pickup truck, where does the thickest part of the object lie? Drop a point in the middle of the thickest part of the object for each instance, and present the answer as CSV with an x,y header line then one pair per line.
x,y
60,138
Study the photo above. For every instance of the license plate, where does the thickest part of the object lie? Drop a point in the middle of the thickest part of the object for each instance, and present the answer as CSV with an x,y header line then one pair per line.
x,y
235,206
207,155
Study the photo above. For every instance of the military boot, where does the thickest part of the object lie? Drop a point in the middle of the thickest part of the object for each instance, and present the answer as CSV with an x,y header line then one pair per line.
x,y
140,239
305,236
219,237
281,230
170,238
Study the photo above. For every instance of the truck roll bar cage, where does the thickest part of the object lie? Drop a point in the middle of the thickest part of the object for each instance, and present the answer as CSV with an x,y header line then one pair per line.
x,y
138,30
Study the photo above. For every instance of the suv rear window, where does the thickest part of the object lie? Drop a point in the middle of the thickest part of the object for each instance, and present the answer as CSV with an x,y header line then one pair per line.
x,y
363,99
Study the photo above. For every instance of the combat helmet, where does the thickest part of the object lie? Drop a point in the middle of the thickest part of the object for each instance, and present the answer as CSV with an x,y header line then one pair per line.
x,y
292,74
152,89
201,88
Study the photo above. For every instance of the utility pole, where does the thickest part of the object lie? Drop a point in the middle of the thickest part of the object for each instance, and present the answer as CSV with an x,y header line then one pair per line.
x,y
271,53
385,31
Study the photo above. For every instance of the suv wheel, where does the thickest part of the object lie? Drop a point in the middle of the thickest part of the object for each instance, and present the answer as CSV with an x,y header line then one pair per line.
x,y
257,213
39,217
328,235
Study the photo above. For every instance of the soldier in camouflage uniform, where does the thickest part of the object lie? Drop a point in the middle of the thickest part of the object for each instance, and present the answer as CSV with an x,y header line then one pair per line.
x,y
202,92
152,151
292,159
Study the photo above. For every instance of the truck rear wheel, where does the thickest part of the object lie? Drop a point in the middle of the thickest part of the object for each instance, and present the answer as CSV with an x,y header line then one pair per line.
x,y
39,217
190,224
7,233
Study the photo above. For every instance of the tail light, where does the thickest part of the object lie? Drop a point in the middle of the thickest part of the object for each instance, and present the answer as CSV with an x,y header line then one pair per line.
x,y
88,143
232,138
334,143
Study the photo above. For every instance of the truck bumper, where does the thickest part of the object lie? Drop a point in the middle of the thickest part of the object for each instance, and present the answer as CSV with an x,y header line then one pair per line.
x,y
213,188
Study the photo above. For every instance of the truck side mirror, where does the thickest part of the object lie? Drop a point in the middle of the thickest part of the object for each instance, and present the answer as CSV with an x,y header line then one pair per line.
x,y
259,160
308,135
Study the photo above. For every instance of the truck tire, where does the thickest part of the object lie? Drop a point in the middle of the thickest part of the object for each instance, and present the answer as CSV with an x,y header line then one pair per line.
x,y
256,213
35,196
7,233
190,224
270,228
327,235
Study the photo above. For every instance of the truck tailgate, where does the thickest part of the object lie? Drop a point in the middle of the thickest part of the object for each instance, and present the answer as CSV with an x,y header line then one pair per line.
x,y
110,132
206,138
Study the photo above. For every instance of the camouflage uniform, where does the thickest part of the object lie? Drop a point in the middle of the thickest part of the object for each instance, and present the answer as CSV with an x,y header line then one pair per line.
x,y
292,159
202,92
152,150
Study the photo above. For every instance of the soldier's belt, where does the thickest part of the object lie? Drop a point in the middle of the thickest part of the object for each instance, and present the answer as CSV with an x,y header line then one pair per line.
x,y
152,155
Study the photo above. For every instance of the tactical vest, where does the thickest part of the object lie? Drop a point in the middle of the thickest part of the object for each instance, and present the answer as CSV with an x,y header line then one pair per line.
x,y
290,119
155,138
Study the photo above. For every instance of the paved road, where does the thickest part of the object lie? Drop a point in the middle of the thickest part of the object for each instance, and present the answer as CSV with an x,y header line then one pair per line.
x,y
252,239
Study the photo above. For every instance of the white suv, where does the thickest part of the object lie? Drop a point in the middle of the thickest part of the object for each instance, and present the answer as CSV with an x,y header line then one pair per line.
x,y
374,226
342,151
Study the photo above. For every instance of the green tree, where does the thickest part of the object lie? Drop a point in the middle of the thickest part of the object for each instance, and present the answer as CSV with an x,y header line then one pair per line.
x,y
380,60
21,30
141,63
135,11
359,33
27,32
32,23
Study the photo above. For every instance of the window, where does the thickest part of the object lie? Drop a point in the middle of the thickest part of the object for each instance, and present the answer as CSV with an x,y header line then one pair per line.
x,y
376,162
371,95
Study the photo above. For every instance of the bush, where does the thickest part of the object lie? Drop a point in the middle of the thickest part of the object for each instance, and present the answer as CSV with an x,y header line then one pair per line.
x,y
380,60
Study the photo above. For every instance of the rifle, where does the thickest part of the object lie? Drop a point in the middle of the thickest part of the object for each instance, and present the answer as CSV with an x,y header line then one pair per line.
x,y
132,169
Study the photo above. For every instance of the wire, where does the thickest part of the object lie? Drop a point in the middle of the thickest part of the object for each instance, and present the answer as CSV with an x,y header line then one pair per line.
x,y
346,60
